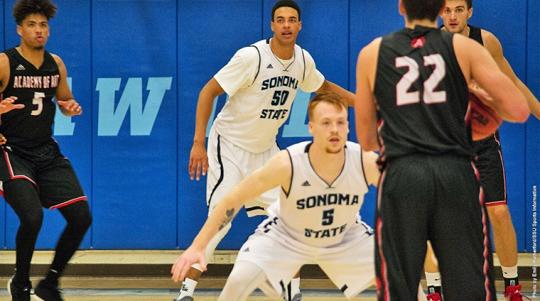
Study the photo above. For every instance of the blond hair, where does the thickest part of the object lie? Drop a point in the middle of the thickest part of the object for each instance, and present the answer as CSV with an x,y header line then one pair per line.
x,y
326,97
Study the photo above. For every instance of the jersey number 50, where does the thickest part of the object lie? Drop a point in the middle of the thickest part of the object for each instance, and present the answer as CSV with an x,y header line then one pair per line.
x,y
280,97
430,96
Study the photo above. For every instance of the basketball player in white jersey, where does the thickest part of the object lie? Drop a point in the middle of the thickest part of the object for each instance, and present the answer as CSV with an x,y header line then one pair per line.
x,y
261,81
322,186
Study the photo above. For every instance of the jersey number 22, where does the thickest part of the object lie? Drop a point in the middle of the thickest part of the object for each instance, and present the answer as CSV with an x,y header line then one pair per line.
x,y
430,96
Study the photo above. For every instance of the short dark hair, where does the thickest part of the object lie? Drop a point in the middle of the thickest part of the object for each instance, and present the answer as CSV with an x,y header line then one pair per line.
x,y
328,97
469,3
423,9
286,3
23,8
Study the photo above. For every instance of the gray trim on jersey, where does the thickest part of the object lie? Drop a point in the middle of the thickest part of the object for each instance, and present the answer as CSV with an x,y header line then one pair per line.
x,y
303,59
283,289
340,173
255,208
363,167
258,67
292,174
369,230
222,172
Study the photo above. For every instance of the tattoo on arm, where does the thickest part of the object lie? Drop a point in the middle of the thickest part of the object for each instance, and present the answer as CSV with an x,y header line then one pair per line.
x,y
229,215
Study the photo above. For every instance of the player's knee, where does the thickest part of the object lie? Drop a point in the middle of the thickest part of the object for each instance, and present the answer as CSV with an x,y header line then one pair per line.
x,y
236,281
83,222
78,216
31,219
234,288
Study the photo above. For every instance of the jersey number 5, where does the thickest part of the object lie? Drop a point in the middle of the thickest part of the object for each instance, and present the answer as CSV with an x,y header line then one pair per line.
x,y
328,217
38,100
404,97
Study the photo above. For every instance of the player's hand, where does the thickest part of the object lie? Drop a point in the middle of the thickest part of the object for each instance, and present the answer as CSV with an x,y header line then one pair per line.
x,y
69,107
198,161
185,261
3,139
7,104
480,93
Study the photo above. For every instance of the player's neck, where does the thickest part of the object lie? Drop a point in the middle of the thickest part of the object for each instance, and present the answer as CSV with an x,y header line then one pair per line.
x,y
284,52
34,56
425,23
327,165
466,31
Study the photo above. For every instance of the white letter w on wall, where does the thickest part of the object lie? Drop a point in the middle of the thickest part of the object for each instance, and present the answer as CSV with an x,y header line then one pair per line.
x,y
142,117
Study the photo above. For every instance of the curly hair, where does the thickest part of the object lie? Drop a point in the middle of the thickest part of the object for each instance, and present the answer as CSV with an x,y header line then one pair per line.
x,y
23,8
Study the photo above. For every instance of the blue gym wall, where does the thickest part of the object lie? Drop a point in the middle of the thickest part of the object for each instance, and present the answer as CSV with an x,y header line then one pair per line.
x,y
137,66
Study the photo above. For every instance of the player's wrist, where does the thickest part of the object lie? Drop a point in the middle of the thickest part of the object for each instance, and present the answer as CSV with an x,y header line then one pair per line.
x,y
198,141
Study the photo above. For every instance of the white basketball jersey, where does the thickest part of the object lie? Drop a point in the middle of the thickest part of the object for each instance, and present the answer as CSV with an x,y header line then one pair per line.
x,y
317,213
261,90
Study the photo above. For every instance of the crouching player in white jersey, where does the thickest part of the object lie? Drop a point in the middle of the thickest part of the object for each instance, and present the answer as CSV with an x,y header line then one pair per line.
x,y
261,82
315,221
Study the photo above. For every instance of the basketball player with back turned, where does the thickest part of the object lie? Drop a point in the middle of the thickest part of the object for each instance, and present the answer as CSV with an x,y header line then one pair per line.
x,y
412,101
489,156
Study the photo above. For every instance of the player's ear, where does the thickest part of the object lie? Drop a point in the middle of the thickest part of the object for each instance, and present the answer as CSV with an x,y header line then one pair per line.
x,y
442,11
310,128
469,13
402,8
19,30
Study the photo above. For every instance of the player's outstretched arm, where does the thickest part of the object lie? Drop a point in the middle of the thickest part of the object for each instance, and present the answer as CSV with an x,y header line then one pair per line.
x,y
496,50
369,160
478,65
198,160
329,86
276,172
365,110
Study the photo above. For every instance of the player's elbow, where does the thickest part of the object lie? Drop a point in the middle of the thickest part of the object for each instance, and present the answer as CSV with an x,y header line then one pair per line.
x,y
522,110
519,112
211,90
367,142
522,115
371,146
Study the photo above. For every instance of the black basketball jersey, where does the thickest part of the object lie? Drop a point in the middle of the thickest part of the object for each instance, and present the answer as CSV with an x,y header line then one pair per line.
x,y
35,88
421,95
475,33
